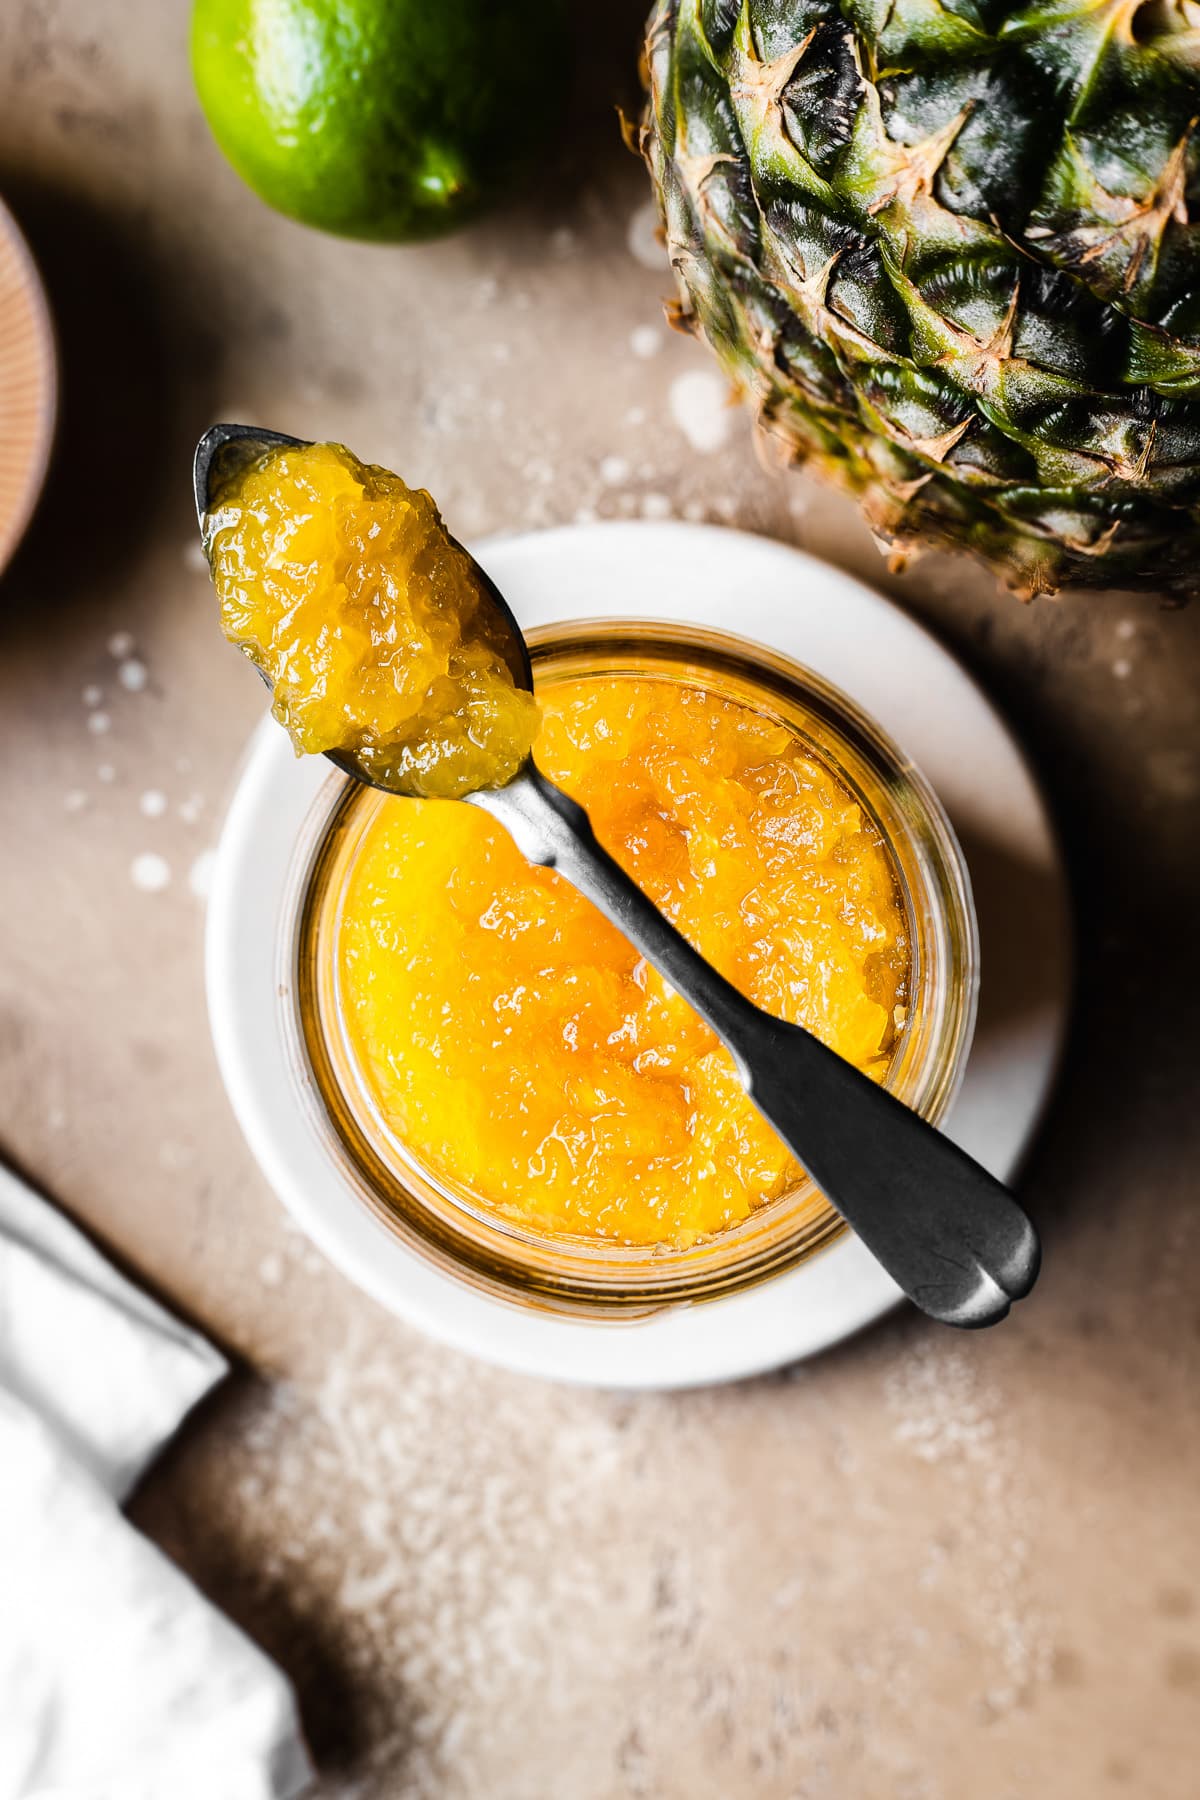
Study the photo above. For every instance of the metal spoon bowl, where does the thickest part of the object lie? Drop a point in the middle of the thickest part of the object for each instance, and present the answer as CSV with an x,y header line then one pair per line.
x,y
950,1234
227,450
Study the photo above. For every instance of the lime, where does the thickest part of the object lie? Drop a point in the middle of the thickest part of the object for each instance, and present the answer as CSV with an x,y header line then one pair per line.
x,y
383,119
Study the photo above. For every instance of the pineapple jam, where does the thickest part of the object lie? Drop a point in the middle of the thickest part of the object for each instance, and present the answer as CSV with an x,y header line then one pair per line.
x,y
342,585
522,1051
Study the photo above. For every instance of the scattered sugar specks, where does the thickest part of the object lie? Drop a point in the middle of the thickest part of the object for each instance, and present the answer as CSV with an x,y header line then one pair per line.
x,y
1122,668
938,1408
695,511
646,340
92,695
487,291
270,1270
1126,628
656,506
562,241
390,1485
644,239
106,773
191,808
153,803
431,1565
585,515
501,353
699,402
150,872
120,645
133,675
194,559
636,416
944,1413
74,800
614,470
201,873
99,723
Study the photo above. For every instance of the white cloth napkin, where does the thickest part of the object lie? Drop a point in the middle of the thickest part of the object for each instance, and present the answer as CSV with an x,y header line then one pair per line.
x,y
118,1680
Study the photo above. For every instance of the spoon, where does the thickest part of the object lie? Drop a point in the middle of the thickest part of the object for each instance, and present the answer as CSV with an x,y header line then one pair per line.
x,y
948,1233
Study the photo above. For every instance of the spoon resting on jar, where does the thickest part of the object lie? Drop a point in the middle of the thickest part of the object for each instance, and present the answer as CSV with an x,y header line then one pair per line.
x,y
452,716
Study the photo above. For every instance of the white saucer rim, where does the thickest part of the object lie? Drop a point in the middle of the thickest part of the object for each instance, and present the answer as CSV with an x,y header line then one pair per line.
x,y
859,1290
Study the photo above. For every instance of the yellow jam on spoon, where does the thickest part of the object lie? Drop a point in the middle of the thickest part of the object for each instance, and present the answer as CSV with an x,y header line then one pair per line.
x,y
344,588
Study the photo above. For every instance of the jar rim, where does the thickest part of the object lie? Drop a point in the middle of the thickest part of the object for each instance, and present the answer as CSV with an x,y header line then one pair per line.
x,y
596,1278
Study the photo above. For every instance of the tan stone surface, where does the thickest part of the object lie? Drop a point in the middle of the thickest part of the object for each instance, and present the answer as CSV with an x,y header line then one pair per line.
x,y
925,1566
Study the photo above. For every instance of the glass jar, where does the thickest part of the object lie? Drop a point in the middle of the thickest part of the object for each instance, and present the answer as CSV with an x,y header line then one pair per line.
x,y
599,1280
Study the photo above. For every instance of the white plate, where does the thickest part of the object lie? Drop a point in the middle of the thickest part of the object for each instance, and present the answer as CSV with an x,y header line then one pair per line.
x,y
895,670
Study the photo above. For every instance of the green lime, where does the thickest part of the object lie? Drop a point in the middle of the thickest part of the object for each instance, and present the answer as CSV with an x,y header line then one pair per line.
x,y
384,119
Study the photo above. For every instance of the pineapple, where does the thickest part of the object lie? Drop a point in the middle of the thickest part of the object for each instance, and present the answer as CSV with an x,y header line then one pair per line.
x,y
945,249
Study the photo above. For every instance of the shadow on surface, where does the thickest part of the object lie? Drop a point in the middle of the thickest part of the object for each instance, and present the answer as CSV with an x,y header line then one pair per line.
x,y
339,1707
1024,937
1109,1178
608,42
587,156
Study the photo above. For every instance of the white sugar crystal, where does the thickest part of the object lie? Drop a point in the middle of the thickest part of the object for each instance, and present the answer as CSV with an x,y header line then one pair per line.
x,y
150,872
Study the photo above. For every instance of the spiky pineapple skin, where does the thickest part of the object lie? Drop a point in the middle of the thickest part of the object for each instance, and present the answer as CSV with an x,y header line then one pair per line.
x,y
946,249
